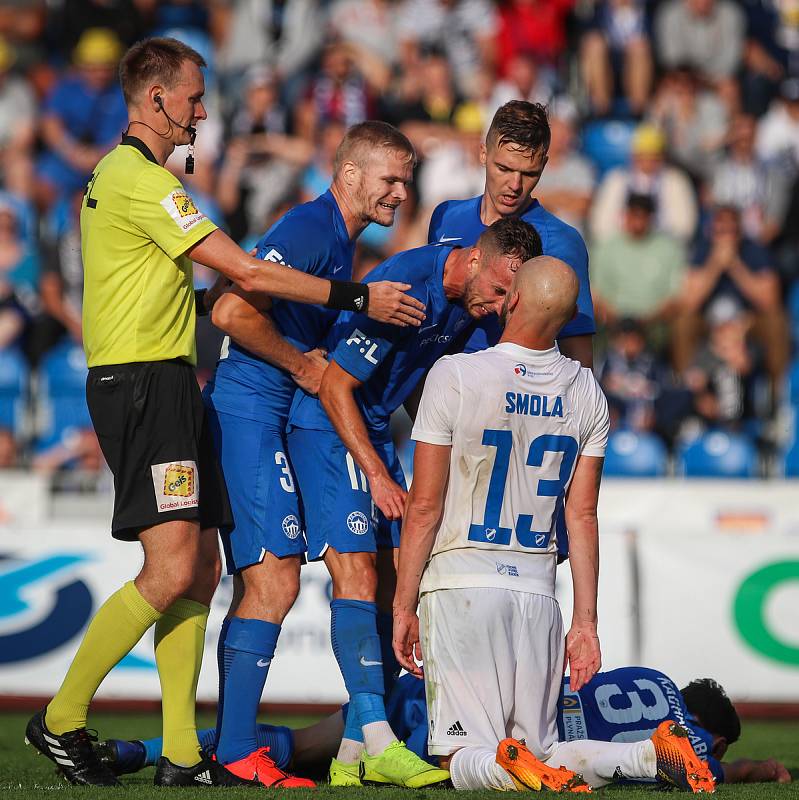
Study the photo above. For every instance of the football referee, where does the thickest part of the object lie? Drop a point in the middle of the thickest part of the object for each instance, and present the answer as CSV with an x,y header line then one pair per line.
x,y
140,233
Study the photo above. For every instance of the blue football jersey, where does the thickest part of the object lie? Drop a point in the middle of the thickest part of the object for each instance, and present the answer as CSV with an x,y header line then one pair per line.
x,y
622,705
387,359
313,238
458,221
627,705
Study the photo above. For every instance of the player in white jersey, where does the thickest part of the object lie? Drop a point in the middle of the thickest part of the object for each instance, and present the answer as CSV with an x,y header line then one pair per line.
x,y
502,436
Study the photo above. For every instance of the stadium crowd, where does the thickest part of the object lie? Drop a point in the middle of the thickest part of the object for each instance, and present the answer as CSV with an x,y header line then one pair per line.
x,y
675,151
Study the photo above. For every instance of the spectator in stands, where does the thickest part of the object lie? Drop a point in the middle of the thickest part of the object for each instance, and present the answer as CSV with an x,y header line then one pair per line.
x,y
648,173
728,268
337,92
638,273
772,51
725,371
631,377
615,50
708,35
68,20
462,30
567,184
61,283
19,264
77,449
524,80
777,139
83,117
285,34
262,161
693,119
537,26
17,126
319,174
760,191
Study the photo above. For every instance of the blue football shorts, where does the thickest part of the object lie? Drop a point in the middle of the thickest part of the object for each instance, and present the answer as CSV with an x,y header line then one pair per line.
x,y
337,506
262,491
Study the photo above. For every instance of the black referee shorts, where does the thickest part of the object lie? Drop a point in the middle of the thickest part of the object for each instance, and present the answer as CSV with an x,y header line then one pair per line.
x,y
151,423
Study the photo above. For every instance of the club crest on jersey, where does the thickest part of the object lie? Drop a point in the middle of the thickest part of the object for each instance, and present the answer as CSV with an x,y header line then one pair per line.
x,y
176,485
291,526
358,523
520,369
366,347
183,210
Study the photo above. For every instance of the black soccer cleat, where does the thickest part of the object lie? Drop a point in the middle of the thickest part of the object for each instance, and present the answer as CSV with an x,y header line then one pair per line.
x,y
122,757
72,752
207,773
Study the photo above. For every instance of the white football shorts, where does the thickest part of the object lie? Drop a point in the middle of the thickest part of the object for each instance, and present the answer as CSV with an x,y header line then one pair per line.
x,y
493,666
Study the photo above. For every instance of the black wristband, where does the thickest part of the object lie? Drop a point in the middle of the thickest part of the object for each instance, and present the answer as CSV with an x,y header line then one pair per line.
x,y
348,296
199,302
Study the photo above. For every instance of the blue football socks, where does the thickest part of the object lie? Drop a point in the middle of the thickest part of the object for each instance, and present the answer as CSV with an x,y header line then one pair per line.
x,y
220,667
391,667
248,650
278,738
356,645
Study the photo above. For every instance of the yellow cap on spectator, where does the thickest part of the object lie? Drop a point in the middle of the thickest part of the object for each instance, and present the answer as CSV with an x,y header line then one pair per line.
x,y
97,46
648,141
7,55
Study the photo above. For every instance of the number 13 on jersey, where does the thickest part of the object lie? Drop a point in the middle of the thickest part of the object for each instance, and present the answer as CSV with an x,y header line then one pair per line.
x,y
490,531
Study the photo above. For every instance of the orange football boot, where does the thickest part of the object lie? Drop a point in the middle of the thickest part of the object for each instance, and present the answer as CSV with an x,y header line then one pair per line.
x,y
257,766
677,763
527,772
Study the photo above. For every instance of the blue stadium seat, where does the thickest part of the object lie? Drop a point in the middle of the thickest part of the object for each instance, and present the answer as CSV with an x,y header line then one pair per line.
x,y
635,455
717,454
13,388
607,143
63,391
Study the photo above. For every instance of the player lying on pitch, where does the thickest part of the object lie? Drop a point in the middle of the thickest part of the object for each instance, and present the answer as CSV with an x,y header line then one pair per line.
x,y
629,702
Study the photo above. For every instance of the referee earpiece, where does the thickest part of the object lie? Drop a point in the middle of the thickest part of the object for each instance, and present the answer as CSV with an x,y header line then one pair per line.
x,y
159,102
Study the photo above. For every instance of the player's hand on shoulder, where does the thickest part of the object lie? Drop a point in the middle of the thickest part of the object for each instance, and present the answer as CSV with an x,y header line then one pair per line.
x,y
405,641
388,495
313,368
583,655
389,303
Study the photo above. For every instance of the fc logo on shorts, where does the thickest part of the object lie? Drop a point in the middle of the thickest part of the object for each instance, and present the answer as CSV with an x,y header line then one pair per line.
x,y
291,526
358,523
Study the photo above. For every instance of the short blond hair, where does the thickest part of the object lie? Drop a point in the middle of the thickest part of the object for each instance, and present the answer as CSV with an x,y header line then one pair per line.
x,y
363,139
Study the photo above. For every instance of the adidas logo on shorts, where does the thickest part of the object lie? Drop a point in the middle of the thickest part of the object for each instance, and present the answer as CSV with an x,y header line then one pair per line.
x,y
456,729
203,777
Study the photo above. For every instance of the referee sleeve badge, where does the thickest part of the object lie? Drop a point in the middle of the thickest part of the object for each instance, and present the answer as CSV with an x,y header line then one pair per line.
x,y
179,205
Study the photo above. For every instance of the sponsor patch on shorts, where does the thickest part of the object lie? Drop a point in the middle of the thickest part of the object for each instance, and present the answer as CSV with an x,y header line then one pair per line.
x,y
176,485
179,205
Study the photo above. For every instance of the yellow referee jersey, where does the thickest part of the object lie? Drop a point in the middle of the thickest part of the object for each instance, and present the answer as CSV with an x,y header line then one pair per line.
x,y
136,223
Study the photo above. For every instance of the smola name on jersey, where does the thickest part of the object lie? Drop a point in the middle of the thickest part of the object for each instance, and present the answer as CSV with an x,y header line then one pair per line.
x,y
534,405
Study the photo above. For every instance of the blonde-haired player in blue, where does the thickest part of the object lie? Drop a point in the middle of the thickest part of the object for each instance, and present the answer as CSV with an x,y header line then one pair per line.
x,y
502,436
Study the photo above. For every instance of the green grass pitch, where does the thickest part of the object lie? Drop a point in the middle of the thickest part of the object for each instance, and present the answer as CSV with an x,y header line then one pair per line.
x,y
25,775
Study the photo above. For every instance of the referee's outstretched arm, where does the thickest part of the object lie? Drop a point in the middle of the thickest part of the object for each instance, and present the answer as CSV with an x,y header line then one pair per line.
x,y
384,301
